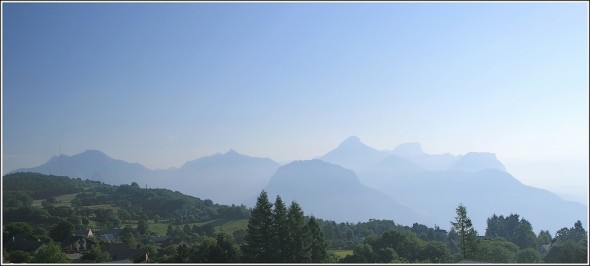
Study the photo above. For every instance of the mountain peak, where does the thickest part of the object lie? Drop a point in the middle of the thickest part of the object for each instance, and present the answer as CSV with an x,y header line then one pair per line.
x,y
353,154
93,152
475,161
232,152
353,142
352,139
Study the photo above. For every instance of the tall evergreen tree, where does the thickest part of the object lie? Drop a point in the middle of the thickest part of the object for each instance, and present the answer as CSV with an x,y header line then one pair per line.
x,y
258,239
298,246
466,232
280,231
579,233
317,244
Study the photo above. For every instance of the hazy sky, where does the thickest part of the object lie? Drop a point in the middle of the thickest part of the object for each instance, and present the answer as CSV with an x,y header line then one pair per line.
x,y
161,84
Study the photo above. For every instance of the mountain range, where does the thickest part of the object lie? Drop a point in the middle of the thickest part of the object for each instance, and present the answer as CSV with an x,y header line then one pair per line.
x,y
353,182
333,192
228,178
93,165
436,184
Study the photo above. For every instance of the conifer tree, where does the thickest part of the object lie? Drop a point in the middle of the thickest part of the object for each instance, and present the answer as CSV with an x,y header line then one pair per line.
x,y
280,231
317,244
298,246
258,239
466,232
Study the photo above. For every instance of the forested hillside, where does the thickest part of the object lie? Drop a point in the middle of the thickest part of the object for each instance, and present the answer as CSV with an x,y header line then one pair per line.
x,y
48,211
21,189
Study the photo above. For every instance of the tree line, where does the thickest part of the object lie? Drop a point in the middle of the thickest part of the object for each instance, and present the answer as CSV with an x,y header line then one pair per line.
x,y
280,235
21,189
507,240
511,239
275,233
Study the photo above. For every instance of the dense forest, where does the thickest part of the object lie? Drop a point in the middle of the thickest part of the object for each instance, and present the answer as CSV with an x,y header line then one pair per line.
x,y
50,209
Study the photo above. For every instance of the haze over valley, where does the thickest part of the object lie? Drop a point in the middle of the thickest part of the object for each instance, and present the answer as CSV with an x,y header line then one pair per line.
x,y
351,183
385,122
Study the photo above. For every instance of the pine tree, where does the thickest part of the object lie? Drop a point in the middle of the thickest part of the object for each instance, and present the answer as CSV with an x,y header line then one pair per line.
x,y
258,239
298,246
317,244
280,231
466,232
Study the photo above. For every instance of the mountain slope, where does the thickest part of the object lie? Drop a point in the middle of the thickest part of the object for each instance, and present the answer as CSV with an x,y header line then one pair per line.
x,y
475,161
329,191
93,165
434,162
436,184
382,173
354,155
229,178
483,193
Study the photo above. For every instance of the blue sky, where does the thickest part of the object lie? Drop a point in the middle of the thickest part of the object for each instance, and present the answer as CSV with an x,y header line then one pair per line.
x,y
161,84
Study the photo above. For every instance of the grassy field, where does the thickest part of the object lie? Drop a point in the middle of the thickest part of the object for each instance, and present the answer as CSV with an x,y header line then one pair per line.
x,y
228,226
37,203
340,253
63,200
159,228
232,225
103,206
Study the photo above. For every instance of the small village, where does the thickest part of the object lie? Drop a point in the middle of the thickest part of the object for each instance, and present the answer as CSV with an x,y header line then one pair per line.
x,y
81,241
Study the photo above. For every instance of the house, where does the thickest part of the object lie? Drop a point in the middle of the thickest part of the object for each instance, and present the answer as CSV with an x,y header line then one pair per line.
x,y
174,241
158,240
110,235
75,244
24,236
84,232
27,244
120,253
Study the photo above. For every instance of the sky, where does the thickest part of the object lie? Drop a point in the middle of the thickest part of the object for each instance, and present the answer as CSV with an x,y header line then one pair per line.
x,y
165,83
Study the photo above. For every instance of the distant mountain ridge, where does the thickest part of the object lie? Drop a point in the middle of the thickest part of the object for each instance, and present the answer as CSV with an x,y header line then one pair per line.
x,y
329,191
484,193
436,184
228,178
354,155
413,152
352,177
93,165
476,161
